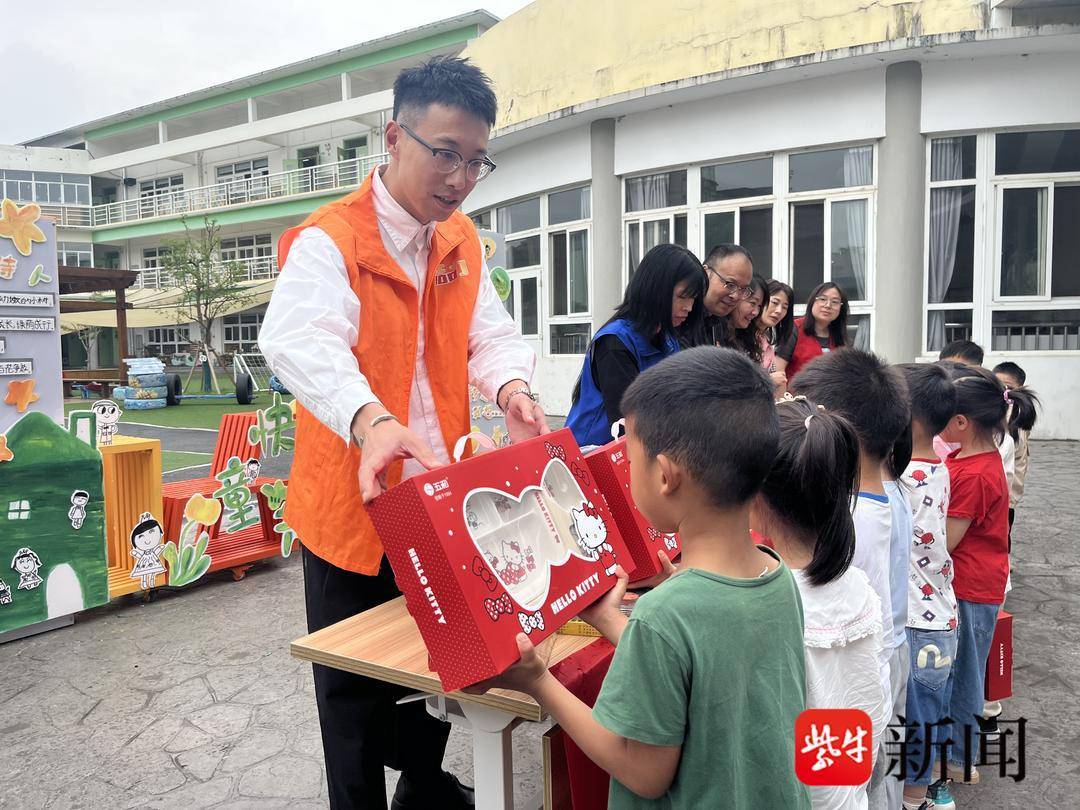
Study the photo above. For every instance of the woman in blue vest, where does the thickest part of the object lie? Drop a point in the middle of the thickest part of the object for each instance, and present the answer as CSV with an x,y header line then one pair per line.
x,y
662,308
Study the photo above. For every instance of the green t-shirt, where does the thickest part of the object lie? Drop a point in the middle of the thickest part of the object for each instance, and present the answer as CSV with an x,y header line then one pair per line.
x,y
715,665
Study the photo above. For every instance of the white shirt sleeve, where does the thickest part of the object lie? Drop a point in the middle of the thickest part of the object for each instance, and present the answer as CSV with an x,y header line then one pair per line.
x,y
310,329
497,352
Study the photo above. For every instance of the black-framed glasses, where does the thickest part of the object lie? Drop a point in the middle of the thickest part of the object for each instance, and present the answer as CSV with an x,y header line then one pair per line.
x,y
730,287
448,161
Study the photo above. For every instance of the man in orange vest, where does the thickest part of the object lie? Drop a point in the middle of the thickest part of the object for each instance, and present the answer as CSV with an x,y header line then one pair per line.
x,y
382,315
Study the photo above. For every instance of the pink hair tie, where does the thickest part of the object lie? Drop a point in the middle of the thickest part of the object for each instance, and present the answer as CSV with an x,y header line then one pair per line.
x,y
1007,400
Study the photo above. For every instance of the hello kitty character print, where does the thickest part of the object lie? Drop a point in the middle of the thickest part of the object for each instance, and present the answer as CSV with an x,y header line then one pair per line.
x,y
931,601
591,535
517,563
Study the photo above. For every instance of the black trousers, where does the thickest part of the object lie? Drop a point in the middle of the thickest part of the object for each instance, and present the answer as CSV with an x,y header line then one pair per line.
x,y
362,727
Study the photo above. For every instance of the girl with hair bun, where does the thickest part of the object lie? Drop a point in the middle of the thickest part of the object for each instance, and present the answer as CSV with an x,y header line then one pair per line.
x,y
804,509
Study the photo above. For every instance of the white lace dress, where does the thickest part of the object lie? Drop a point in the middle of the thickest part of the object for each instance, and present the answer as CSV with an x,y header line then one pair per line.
x,y
842,638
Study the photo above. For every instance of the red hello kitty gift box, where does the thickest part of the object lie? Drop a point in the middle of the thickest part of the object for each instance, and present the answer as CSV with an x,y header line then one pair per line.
x,y
610,466
516,539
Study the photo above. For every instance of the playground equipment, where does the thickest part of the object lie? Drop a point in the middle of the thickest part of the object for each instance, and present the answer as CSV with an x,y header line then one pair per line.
x,y
252,375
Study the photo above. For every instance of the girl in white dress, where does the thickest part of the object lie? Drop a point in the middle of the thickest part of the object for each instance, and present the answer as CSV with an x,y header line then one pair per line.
x,y
804,509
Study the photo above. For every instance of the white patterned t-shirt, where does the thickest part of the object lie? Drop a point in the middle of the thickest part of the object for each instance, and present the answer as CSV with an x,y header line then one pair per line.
x,y
931,601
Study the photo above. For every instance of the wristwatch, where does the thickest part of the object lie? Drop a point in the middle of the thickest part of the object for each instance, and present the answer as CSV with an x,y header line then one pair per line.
x,y
521,389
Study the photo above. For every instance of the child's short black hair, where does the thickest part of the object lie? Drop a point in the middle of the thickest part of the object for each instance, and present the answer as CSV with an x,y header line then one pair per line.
x,y
933,396
446,80
863,389
721,426
965,350
80,493
1013,370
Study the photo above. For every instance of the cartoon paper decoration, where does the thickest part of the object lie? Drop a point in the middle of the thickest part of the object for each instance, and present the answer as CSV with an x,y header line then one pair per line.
x,y
5,451
501,280
5,593
251,470
147,549
8,266
241,509
38,276
270,426
77,512
188,561
108,415
489,247
83,426
26,564
18,225
21,394
49,464
275,498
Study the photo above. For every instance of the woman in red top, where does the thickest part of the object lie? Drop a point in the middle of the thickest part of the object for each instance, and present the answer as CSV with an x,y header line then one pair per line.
x,y
976,534
822,329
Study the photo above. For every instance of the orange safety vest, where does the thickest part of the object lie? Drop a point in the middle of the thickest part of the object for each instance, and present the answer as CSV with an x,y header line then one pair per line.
x,y
324,506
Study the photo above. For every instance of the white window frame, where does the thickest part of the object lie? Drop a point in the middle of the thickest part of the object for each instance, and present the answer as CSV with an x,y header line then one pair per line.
x,y
179,336
249,173
235,323
544,269
160,186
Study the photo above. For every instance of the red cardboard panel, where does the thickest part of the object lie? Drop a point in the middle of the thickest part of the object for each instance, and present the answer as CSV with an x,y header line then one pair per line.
x,y
999,662
610,465
517,539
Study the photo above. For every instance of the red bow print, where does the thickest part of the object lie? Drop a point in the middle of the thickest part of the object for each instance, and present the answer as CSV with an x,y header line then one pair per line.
x,y
530,622
481,570
497,607
555,451
580,472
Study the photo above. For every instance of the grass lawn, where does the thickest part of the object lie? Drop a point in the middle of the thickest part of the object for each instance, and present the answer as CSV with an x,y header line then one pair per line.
x,y
200,413
174,460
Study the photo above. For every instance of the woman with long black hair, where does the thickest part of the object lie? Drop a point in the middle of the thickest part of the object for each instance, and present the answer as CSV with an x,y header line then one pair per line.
x,y
662,308
823,327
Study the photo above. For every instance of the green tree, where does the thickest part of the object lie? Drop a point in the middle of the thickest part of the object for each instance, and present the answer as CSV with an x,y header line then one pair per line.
x,y
208,288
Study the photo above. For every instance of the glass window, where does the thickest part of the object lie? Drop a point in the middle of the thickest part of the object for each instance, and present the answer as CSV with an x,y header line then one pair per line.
x,y
656,191
568,206
729,181
530,306
570,338
1023,241
952,244
848,245
1038,152
633,247
519,216
482,219
807,247
831,168
943,326
1039,330
756,235
579,271
1066,275
522,252
858,332
719,228
559,282
569,273
952,158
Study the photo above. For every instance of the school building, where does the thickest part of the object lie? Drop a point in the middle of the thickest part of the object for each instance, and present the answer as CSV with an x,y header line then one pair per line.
x,y
924,155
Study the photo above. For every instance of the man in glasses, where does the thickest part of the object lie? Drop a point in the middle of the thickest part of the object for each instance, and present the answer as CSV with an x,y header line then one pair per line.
x,y
383,313
729,269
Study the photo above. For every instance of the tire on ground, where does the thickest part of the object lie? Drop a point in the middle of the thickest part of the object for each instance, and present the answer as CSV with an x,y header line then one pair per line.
x,y
245,389
174,388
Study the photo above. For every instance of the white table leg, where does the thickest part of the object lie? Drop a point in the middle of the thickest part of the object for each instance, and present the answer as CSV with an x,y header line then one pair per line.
x,y
493,754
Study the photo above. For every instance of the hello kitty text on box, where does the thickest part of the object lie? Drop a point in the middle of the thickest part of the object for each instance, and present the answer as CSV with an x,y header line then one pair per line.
x,y
517,539
610,466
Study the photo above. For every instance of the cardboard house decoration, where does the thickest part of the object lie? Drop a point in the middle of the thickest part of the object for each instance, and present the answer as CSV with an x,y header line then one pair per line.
x,y
52,525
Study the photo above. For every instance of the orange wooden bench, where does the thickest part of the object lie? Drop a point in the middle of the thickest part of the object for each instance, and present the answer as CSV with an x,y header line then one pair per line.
x,y
235,550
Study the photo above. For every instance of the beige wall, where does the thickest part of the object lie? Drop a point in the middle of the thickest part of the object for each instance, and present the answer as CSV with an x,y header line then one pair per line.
x,y
586,51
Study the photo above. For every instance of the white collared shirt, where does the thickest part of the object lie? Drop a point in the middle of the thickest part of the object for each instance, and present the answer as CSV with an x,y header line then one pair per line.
x,y
313,323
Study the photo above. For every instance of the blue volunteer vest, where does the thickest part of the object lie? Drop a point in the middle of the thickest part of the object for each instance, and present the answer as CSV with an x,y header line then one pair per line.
x,y
588,420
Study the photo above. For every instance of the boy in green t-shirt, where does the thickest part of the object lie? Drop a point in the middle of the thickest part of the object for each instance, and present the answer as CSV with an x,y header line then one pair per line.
x,y
698,709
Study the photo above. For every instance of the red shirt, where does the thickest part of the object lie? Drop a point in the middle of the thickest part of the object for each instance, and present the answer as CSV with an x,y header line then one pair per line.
x,y
807,347
980,494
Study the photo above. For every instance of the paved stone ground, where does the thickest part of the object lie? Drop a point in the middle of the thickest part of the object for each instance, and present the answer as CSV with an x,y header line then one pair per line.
x,y
192,700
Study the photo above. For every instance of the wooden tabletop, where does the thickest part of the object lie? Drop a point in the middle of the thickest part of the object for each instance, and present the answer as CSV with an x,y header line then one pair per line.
x,y
384,643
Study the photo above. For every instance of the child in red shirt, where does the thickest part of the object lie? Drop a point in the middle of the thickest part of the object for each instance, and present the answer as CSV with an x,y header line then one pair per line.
x,y
977,533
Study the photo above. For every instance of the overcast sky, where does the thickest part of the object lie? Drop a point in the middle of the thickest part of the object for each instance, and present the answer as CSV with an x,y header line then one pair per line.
x,y
75,61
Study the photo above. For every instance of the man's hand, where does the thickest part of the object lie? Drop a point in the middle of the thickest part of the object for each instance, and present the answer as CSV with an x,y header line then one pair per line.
x,y
383,444
524,418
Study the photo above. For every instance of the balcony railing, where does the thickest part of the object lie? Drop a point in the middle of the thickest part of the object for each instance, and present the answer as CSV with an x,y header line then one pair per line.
x,y
68,216
255,268
327,177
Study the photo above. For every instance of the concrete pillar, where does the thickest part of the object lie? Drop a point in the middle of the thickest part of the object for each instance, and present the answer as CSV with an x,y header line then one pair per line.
x,y
900,211
606,223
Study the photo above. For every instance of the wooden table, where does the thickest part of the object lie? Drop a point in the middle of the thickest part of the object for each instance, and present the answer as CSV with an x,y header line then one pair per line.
x,y
384,643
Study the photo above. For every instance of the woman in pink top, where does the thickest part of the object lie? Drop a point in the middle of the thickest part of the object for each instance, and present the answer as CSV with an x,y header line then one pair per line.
x,y
776,332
